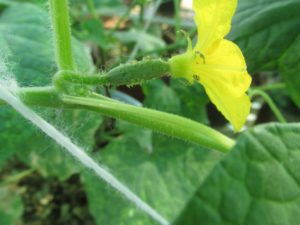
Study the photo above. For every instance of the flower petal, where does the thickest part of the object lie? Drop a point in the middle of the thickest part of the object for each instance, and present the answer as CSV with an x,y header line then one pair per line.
x,y
225,79
235,109
213,19
225,65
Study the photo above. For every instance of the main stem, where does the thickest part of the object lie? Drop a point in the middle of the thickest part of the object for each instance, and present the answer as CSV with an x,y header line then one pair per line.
x,y
62,34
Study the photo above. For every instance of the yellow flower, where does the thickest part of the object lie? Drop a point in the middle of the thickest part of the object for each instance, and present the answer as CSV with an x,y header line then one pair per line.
x,y
216,63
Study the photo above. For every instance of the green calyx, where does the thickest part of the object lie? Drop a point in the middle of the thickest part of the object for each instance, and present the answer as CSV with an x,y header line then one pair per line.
x,y
181,66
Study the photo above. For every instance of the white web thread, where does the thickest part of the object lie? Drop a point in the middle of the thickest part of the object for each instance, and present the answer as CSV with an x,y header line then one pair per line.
x,y
7,94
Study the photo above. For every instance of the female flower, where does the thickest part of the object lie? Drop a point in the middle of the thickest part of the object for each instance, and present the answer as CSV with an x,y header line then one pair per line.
x,y
215,62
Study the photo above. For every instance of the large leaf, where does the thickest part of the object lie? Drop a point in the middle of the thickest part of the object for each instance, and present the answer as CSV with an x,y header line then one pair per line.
x,y
268,33
257,183
265,29
290,70
25,40
164,178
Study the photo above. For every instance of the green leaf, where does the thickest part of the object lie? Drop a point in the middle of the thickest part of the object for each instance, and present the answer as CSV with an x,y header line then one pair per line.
x,y
25,41
290,70
264,29
93,31
100,3
257,183
161,97
11,206
164,178
179,98
193,100
11,2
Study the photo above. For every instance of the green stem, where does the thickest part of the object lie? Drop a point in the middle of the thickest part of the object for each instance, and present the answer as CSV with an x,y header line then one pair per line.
x,y
270,102
62,34
271,87
177,19
92,8
125,74
17,177
142,13
63,78
169,124
39,96
101,97
165,123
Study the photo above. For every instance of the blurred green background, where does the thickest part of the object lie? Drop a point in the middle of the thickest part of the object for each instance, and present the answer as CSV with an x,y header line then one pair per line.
x,y
257,183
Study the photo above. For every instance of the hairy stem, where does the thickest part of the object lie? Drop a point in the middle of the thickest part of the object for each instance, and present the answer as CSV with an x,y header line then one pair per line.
x,y
38,96
62,34
166,123
125,74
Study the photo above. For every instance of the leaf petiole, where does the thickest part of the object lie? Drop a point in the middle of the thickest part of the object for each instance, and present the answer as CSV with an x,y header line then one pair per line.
x,y
270,102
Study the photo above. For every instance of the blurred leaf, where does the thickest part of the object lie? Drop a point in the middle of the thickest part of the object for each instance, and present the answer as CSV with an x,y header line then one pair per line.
x,y
24,38
37,2
93,31
11,2
11,206
193,100
79,8
290,70
99,3
257,183
146,41
6,2
264,29
165,178
161,97
109,5
179,98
